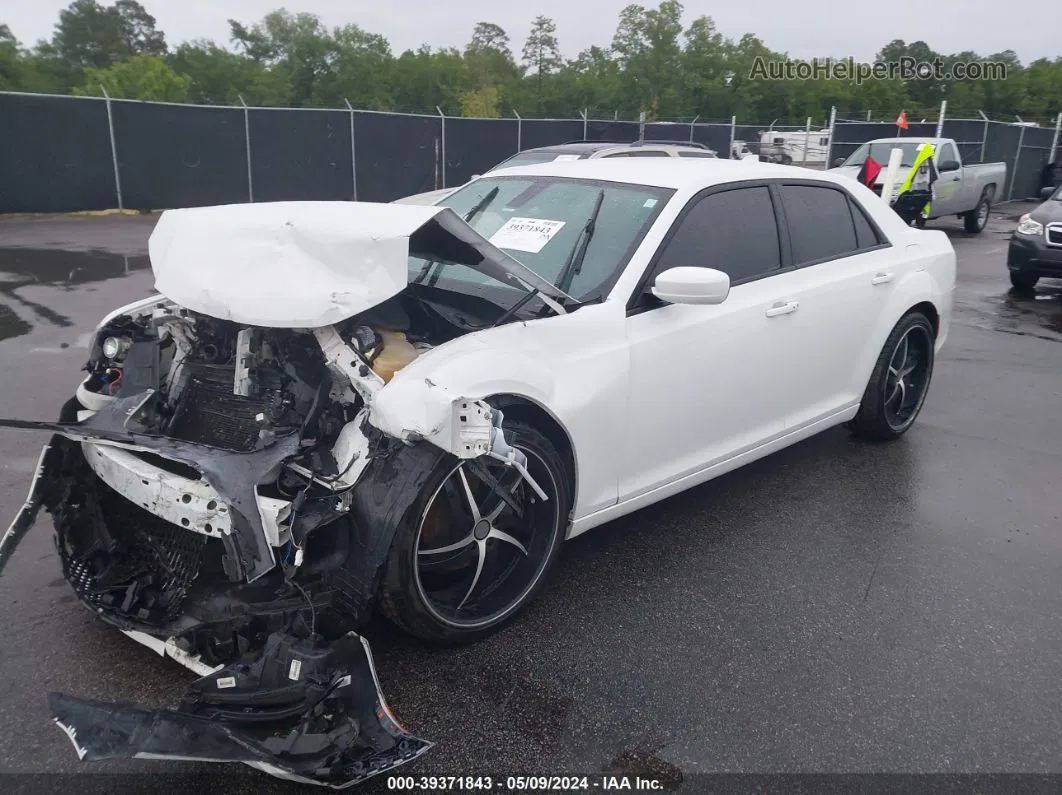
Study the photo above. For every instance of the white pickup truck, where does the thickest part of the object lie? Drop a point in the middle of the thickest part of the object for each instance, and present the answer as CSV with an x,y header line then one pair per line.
x,y
964,191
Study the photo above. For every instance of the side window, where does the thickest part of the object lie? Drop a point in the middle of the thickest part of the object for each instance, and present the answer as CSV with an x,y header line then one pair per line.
x,y
820,222
697,154
647,153
946,152
734,231
866,235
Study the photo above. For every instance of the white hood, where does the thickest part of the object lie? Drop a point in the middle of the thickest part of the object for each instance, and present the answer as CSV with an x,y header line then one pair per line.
x,y
311,264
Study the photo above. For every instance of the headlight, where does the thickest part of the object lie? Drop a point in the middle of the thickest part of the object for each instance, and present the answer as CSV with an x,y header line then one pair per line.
x,y
1027,226
115,347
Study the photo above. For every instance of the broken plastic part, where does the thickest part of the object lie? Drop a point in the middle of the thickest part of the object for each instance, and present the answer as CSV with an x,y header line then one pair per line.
x,y
298,709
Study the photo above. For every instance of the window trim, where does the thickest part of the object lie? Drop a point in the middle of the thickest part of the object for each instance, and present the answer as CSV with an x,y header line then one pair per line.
x,y
635,303
853,206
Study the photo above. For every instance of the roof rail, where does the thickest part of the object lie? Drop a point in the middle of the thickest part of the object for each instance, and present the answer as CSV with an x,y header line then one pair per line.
x,y
694,144
643,142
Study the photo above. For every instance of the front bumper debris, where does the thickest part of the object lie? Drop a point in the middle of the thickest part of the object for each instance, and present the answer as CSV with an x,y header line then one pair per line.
x,y
299,709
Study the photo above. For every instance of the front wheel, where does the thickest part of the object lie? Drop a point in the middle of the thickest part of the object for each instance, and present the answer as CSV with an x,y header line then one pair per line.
x,y
1023,281
900,381
476,546
977,219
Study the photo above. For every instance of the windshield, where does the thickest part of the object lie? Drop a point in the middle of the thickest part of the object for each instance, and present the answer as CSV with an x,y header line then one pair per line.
x,y
881,152
540,220
533,158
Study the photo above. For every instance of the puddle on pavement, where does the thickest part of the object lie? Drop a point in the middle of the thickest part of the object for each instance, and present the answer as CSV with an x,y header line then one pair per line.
x,y
1036,314
24,267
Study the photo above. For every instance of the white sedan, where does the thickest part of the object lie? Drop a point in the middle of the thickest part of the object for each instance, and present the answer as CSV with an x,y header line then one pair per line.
x,y
336,407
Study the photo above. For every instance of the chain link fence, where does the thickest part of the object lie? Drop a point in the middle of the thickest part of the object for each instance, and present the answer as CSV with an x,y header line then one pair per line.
x,y
65,154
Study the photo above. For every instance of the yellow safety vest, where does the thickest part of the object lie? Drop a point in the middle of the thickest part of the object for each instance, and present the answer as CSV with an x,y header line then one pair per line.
x,y
925,152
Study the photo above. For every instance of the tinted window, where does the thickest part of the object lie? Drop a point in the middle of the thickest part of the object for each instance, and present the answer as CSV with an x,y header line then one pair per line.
x,y
696,154
733,231
639,153
866,237
820,222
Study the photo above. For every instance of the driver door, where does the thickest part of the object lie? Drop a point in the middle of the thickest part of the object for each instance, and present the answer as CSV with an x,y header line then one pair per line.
x,y
947,191
708,382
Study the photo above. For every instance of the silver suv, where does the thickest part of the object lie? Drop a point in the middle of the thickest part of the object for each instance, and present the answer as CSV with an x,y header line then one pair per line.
x,y
580,150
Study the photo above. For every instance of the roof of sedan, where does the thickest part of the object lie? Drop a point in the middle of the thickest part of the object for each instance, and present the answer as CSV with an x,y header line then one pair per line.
x,y
672,173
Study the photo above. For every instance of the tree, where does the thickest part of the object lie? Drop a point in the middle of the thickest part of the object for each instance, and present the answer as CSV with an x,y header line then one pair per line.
x,y
541,52
88,34
488,36
646,43
221,77
146,77
361,71
10,61
481,103
297,45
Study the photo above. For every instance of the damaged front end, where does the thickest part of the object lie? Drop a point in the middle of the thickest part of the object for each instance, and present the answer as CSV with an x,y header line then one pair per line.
x,y
215,486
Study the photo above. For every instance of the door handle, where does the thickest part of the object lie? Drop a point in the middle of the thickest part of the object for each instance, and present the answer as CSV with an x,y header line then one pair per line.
x,y
782,308
882,278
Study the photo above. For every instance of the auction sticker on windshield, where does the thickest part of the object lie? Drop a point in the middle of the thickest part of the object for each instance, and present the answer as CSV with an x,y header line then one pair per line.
x,y
526,234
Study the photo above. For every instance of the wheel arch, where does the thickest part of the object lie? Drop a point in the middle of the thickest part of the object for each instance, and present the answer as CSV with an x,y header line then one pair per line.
x,y
534,413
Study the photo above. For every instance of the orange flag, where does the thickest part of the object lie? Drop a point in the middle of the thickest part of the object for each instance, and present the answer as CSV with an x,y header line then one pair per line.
x,y
901,120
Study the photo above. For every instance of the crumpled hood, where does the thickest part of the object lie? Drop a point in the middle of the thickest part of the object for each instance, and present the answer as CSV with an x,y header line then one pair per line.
x,y
311,264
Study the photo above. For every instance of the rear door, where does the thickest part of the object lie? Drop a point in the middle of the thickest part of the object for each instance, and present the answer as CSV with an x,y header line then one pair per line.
x,y
843,270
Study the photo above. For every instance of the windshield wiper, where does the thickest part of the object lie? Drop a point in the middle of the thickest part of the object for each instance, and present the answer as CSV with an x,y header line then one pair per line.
x,y
481,205
578,253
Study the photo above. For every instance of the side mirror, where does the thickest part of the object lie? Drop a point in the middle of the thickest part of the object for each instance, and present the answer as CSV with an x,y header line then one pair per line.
x,y
948,165
838,162
689,285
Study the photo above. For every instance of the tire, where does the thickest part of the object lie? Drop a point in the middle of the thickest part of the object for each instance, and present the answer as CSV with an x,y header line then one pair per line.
x,y
1020,280
920,222
787,160
977,219
878,419
412,591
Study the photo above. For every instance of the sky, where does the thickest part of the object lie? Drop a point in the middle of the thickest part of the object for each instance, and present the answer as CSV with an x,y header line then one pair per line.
x,y
802,29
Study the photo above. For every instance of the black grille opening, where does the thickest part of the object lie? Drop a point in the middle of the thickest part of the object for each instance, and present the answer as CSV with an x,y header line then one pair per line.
x,y
144,569
1054,236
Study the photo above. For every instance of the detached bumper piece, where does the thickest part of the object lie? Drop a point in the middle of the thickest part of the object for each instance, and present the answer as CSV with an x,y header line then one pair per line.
x,y
303,711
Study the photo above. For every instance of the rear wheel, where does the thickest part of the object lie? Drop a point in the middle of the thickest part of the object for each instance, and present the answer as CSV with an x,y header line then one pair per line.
x,y
900,381
476,546
977,218
1023,281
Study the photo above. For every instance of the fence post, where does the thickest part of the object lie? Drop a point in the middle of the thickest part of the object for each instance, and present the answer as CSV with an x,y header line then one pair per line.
x,y
641,126
1054,141
1017,160
829,146
984,135
247,141
114,149
733,129
442,136
807,141
353,152
583,114
519,131
868,115
940,121
691,126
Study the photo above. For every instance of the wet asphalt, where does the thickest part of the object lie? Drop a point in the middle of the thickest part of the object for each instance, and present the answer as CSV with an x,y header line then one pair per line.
x,y
836,607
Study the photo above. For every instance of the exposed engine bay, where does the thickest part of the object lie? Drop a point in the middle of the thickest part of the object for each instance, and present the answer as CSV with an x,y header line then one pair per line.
x,y
216,488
